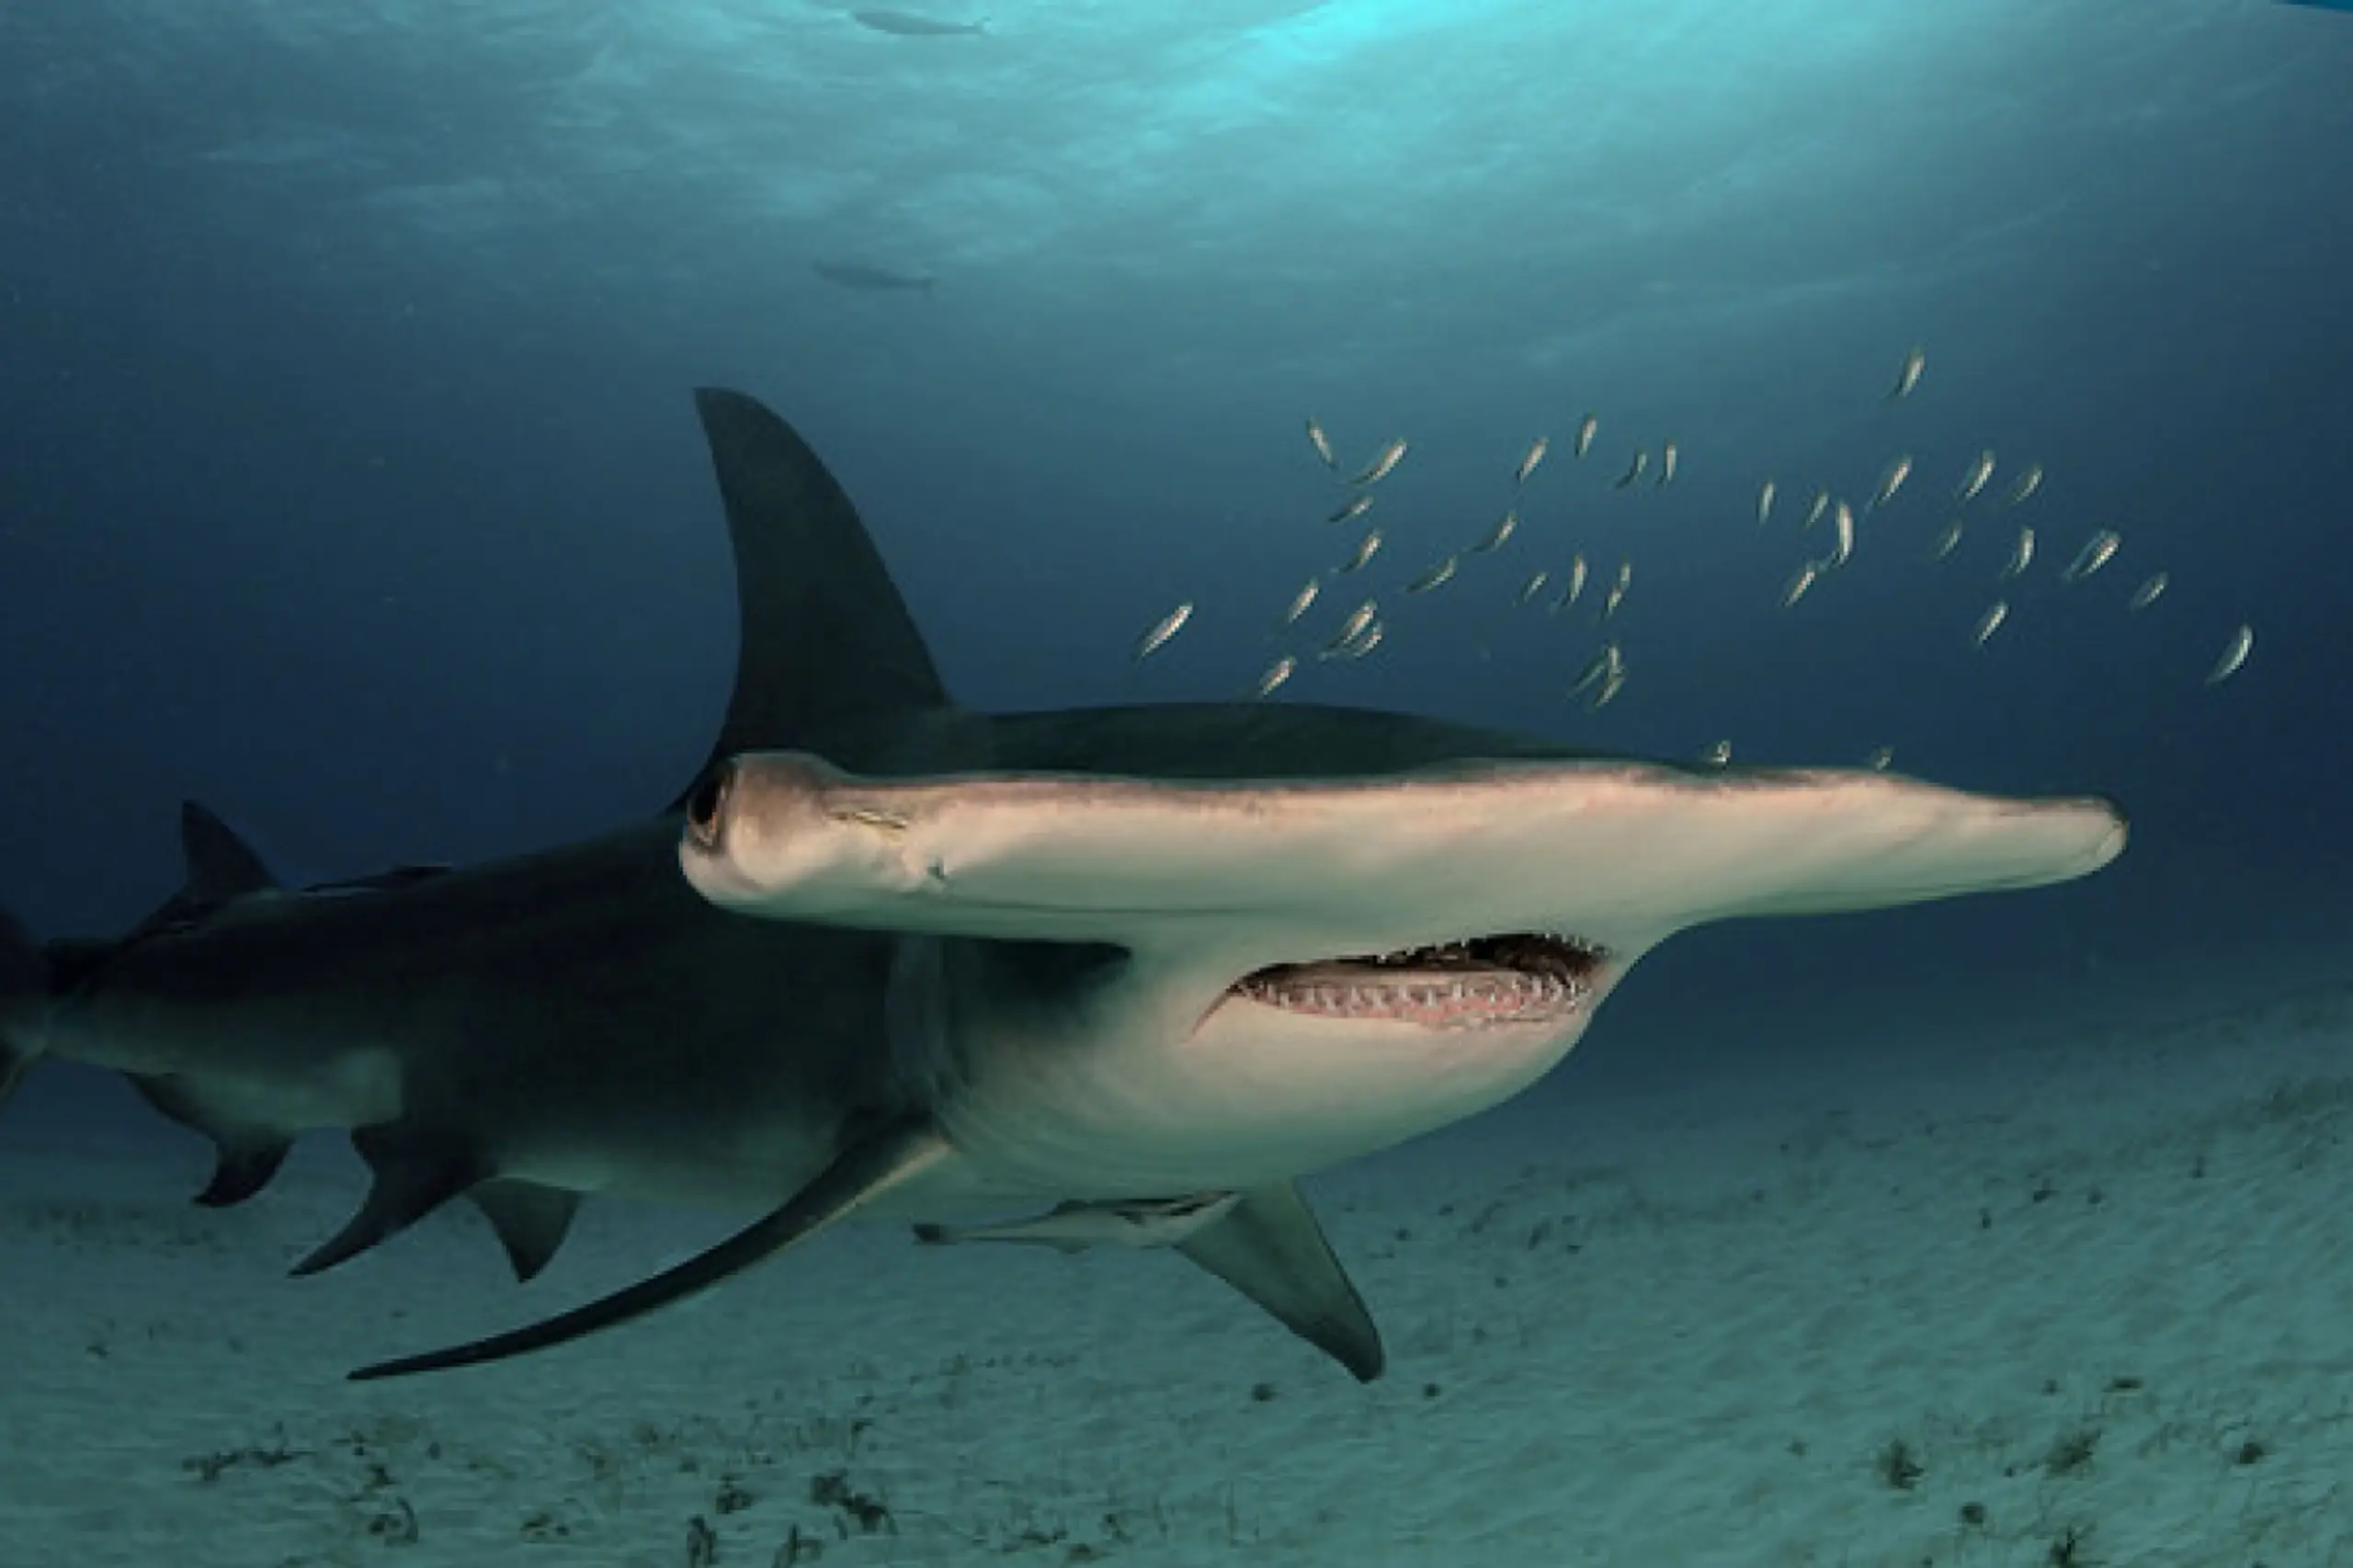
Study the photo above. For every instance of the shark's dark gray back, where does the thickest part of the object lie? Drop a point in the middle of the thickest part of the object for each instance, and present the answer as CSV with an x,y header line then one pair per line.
x,y
827,648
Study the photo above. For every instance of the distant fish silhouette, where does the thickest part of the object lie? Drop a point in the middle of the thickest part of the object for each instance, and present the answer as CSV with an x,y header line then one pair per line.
x,y
873,279
908,24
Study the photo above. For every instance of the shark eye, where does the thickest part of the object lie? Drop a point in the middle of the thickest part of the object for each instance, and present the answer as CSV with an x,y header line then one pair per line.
x,y
706,805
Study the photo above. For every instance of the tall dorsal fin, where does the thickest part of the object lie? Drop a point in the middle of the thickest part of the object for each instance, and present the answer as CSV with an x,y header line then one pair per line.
x,y
825,639
221,866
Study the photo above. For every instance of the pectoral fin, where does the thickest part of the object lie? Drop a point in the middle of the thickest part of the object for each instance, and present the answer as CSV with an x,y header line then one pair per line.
x,y
1270,1248
873,1166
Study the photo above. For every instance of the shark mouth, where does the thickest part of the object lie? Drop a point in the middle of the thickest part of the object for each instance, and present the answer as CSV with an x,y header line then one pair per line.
x,y
1520,978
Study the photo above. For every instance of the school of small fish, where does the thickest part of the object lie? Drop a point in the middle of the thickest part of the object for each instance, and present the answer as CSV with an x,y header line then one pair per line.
x,y
1603,677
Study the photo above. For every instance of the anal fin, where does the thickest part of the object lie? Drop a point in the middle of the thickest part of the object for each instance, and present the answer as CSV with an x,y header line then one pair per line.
x,y
416,1171
531,1220
884,1159
246,1154
1270,1248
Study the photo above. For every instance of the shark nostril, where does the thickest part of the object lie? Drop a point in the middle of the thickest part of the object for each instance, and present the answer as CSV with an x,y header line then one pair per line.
x,y
707,804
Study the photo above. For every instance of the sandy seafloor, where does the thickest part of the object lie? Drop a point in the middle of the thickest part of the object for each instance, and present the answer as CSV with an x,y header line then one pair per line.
x,y
2099,1288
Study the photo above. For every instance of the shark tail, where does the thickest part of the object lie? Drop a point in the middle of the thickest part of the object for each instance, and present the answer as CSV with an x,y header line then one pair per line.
x,y
24,982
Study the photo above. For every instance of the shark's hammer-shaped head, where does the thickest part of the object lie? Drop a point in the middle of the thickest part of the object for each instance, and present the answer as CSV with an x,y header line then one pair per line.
x,y
1316,968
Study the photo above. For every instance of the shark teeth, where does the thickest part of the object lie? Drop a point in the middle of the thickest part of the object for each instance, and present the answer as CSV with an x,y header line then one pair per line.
x,y
1528,978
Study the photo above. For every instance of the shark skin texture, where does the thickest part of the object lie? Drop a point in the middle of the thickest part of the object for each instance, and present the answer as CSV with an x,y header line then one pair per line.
x,y
1123,974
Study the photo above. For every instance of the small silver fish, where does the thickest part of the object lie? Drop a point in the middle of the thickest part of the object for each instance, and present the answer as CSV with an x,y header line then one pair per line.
x,y
1890,479
1322,443
1277,672
2152,589
909,23
1437,576
2234,654
1587,427
1363,643
1350,628
1668,456
1765,494
1974,482
1990,621
2098,552
1914,361
1947,541
1816,510
1879,758
1388,458
1500,532
1597,669
1611,685
1167,626
2025,485
2021,555
1305,596
1536,451
1535,585
1570,594
1842,545
1366,548
1634,469
1358,505
1717,756
1799,581
1616,597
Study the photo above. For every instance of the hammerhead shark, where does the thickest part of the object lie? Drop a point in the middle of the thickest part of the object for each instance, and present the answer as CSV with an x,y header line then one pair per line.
x,y
1133,971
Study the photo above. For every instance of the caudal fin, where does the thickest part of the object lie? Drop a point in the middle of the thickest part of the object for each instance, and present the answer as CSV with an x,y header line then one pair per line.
x,y
24,982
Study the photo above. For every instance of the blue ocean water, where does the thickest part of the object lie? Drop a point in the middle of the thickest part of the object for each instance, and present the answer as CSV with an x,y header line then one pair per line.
x,y
348,480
